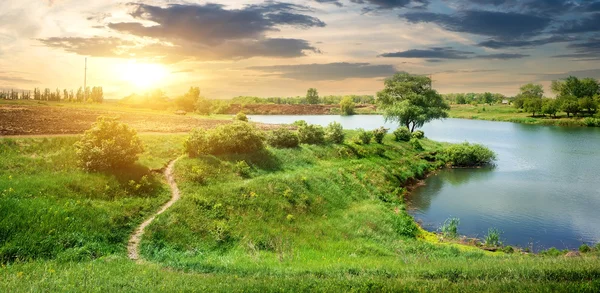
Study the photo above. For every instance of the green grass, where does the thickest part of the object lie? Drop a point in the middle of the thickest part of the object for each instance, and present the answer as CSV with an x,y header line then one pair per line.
x,y
314,218
508,113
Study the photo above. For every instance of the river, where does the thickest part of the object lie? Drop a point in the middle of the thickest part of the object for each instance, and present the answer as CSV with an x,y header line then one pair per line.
x,y
544,191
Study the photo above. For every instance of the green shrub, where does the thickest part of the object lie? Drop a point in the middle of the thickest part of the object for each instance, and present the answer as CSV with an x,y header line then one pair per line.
x,y
419,134
334,132
402,134
234,138
300,123
584,248
416,144
243,169
493,237
553,252
347,106
508,249
109,144
379,134
311,134
450,227
363,137
591,122
283,138
241,117
469,155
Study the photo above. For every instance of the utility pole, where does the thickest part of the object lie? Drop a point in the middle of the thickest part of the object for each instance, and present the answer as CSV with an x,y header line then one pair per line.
x,y
85,81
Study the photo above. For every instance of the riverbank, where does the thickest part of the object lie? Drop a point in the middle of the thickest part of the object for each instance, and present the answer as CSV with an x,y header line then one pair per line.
x,y
507,113
313,218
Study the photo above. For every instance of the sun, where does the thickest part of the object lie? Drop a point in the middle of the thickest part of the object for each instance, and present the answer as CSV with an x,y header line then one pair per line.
x,y
144,75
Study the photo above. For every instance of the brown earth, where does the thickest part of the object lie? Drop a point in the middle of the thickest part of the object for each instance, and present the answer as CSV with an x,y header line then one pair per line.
x,y
42,120
275,109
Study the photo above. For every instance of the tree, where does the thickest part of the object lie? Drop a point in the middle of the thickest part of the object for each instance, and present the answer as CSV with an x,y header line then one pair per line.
x,y
203,106
531,90
187,102
312,96
97,95
569,104
550,107
410,100
66,95
347,106
573,86
533,105
588,104
80,96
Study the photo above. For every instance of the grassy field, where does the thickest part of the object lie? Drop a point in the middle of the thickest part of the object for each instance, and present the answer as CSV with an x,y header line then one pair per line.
x,y
508,113
316,218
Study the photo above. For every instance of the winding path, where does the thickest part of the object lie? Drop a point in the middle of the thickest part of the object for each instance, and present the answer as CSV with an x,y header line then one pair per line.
x,y
136,237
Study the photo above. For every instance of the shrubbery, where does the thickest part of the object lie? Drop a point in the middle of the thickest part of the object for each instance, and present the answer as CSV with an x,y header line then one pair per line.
x,y
241,117
108,144
334,132
419,134
379,134
283,138
469,155
402,134
591,122
235,138
311,134
363,137
416,144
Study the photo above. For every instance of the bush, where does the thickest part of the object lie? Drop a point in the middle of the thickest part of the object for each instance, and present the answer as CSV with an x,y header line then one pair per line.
x,y
419,134
402,134
584,248
450,227
591,122
241,117
283,138
300,123
234,138
107,145
311,134
469,155
347,106
334,132
416,144
243,169
379,134
363,137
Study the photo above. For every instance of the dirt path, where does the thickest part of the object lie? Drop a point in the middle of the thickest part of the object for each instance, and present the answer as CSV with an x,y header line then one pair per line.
x,y
136,237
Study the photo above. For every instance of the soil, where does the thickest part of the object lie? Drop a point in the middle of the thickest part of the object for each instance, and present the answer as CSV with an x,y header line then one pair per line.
x,y
48,120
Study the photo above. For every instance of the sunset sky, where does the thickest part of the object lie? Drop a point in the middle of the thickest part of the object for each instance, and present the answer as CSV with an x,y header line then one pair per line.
x,y
267,48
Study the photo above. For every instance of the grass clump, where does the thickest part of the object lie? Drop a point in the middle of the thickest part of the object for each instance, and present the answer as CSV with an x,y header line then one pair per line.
x,y
363,137
283,138
449,228
311,134
492,238
402,134
109,144
469,155
416,144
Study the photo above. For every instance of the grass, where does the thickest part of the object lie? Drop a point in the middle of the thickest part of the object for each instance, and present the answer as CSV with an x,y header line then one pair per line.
x,y
314,218
508,113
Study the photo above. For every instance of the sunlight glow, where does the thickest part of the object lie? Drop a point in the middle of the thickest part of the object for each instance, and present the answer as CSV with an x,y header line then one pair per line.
x,y
144,75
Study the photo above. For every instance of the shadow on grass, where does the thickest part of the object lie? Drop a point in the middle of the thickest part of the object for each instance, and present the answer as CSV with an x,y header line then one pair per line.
x,y
264,160
137,179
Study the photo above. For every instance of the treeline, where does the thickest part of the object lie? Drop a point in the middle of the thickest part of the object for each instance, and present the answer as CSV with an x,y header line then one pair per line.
x,y
475,98
574,96
90,94
312,98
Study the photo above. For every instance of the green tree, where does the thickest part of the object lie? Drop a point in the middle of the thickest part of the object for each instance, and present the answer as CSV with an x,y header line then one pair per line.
x,y
347,106
409,100
312,96
573,86
533,105
569,104
589,104
550,107
531,90
187,102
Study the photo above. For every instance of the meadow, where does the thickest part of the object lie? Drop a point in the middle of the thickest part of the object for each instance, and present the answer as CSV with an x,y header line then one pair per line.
x,y
315,218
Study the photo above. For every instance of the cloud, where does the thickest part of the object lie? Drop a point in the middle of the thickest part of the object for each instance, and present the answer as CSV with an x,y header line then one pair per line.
x,y
594,73
200,32
437,54
589,50
11,78
583,25
495,44
330,71
391,4
499,25
334,2
546,7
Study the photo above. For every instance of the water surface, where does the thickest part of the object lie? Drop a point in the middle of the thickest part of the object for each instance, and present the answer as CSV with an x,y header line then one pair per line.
x,y
544,191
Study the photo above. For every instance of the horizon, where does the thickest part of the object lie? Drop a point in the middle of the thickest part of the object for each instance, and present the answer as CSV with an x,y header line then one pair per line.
x,y
265,48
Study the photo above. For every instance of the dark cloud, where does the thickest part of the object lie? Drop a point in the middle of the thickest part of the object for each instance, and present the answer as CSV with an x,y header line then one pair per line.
x,y
583,25
587,50
499,25
11,78
391,4
495,44
594,73
201,32
438,54
334,2
331,71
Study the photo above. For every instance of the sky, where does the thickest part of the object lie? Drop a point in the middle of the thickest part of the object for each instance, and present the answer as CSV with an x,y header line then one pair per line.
x,y
282,48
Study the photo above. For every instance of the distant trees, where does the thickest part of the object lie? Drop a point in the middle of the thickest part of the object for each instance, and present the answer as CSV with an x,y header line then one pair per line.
x,y
95,94
410,100
530,98
312,96
347,106
474,98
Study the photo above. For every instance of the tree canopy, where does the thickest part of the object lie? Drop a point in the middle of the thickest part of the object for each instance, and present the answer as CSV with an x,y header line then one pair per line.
x,y
312,96
409,100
